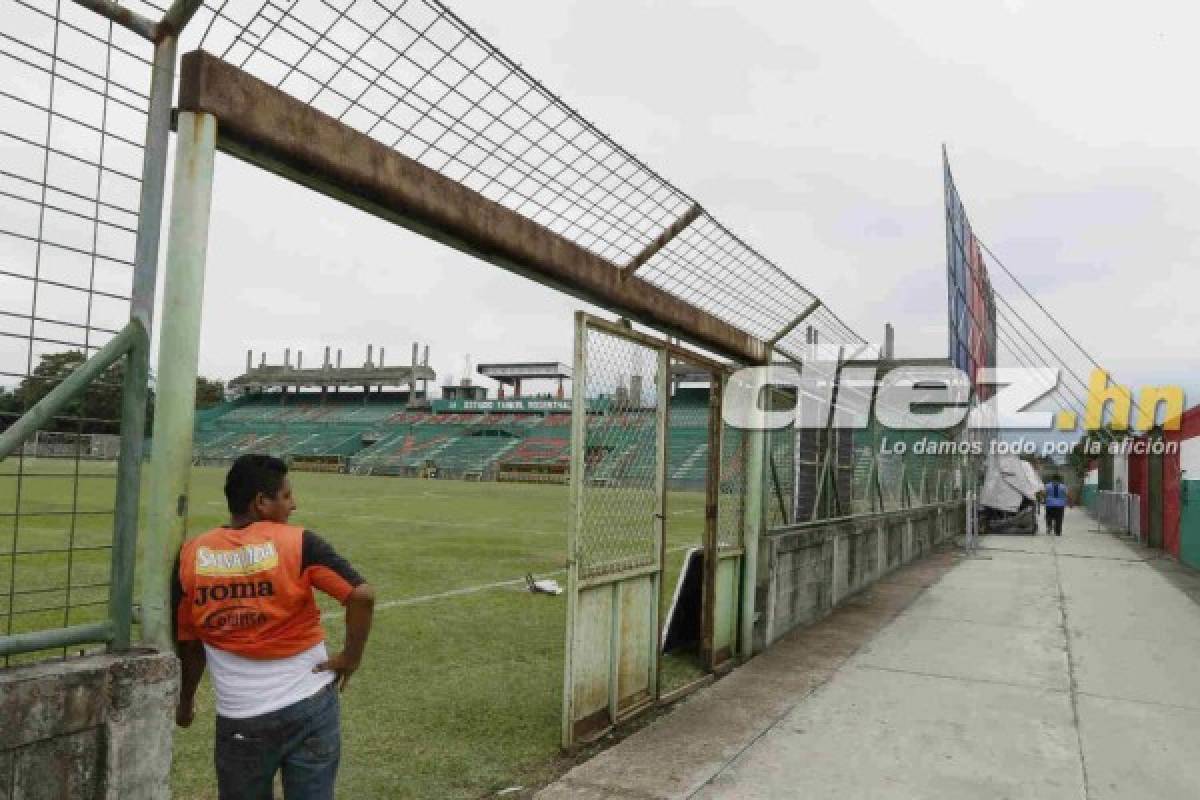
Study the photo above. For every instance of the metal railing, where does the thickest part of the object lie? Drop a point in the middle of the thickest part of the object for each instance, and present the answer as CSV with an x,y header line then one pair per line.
x,y
1119,511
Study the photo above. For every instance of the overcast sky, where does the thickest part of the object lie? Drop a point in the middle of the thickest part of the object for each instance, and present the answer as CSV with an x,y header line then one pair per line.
x,y
814,131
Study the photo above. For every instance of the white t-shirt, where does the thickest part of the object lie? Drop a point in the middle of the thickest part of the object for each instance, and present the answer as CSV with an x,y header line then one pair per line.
x,y
247,687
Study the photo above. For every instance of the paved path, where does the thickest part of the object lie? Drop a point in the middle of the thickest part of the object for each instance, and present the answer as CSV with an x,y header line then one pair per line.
x,y
1041,668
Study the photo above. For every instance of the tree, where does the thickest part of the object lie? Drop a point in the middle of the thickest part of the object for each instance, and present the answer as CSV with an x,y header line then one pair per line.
x,y
209,392
91,411
95,410
8,408
98,408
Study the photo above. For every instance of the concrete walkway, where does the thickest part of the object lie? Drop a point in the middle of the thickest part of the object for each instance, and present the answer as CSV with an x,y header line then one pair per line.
x,y
1040,668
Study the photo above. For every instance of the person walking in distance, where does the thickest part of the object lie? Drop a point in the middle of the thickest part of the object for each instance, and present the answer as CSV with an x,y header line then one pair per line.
x,y
243,595
1056,504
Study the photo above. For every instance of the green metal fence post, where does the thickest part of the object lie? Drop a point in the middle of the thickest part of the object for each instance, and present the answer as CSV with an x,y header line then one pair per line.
x,y
129,466
178,354
135,391
756,456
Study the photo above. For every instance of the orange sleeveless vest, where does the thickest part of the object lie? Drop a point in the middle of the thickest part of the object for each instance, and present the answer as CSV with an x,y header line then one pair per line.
x,y
245,591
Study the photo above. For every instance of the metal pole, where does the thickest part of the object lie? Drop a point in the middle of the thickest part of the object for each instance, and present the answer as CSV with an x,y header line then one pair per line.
x,y
662,402
574,524
755,443
178,355
126,18
712,500
129,476
135,389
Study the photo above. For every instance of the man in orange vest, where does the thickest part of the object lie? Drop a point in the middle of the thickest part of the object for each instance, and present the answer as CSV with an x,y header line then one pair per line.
x,y
245,608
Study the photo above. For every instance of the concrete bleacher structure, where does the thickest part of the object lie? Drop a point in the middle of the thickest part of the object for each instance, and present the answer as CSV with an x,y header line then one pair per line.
x,y
378,433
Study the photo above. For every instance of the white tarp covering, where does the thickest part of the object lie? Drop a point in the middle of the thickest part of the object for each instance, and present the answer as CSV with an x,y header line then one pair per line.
x,y
1007,482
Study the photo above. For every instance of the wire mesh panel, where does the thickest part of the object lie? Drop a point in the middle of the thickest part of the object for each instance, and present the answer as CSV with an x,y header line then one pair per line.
x,y
731,499
780,476
620,503
889,471
417,78
807,469
73,109
863,495
843,468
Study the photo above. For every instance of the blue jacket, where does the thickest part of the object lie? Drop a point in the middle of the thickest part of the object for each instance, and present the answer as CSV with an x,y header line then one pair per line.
x,y
1056,495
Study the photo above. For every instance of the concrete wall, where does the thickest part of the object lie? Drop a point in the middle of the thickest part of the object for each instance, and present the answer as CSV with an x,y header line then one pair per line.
x,y
96,727
814,566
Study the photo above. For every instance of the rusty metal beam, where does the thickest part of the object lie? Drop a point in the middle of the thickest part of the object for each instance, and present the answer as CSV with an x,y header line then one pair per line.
x,y
266,127
677,227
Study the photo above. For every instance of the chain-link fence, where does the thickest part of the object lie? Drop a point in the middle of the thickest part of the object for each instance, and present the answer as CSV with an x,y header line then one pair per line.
x,y
620,508
731,496
844,472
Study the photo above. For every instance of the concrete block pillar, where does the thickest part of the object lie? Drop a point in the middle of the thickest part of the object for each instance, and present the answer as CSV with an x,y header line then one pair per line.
x,y
424,381
910,543
837,576
94,727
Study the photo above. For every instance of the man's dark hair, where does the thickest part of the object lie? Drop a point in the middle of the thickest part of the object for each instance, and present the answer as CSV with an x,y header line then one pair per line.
x,y
1056,478
251,475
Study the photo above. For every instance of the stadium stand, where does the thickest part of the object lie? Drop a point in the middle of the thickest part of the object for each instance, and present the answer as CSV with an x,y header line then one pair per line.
x,y
373,431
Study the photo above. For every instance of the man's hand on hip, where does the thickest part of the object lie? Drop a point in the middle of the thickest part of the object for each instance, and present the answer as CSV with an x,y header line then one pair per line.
x,y
344,665
360,607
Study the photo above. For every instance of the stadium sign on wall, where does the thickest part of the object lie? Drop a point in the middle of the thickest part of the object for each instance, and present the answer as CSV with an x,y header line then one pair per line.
x,y
441,406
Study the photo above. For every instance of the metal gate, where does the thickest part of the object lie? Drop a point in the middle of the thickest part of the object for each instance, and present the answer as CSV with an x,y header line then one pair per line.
x,y
617,526
723,580
1154,532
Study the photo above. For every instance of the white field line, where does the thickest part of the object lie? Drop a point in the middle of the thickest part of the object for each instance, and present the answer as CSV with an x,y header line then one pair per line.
x,y
441,523
465,590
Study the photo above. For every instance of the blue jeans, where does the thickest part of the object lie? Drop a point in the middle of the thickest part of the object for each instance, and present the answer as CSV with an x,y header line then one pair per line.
x,y
303,739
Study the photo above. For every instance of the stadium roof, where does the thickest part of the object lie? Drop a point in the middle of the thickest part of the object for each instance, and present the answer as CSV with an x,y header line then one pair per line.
x,y
271,376
525,370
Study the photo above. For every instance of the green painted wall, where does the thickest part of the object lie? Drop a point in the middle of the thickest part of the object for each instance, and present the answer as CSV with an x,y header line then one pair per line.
x,y
1189,524
1089,494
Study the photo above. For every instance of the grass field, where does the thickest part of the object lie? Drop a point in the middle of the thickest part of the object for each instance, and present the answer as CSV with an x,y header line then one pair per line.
x,y
460,693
